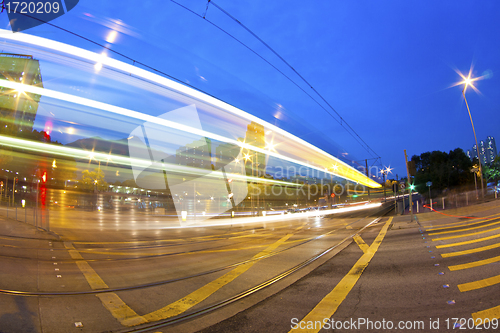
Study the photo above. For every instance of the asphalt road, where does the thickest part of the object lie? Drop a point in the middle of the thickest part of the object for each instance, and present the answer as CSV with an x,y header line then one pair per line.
x,y
417,280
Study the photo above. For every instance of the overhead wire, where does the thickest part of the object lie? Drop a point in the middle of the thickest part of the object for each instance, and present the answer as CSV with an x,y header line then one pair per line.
x,y
206,10
342,120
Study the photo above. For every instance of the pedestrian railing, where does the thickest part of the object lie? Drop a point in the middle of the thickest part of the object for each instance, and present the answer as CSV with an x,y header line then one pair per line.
x,y
28,214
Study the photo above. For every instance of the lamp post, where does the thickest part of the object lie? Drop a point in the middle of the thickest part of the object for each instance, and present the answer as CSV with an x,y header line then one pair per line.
x,y
251,157
475,170
383,174
468,81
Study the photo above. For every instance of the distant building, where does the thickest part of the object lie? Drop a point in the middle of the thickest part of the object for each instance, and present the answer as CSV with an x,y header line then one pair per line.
x,y
197,154
491,149
471,153
226,153
255,136
487,150
17,108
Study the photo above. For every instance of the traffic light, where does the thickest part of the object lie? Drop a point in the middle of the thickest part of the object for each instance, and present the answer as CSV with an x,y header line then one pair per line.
x,y
412,187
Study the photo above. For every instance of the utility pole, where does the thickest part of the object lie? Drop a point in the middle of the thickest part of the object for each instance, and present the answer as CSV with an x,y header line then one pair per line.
x,y
367,175
477,147
13,190
409,184
383,174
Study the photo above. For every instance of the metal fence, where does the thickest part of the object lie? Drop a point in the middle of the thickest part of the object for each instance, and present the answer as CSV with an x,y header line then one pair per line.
x,y
460,199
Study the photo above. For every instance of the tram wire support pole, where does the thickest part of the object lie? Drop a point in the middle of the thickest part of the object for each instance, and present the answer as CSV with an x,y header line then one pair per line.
x,y
367,175
409,184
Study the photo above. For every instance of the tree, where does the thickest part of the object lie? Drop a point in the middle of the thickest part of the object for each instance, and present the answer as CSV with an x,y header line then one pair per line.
x,y
444,170
492,170
93,181
129,183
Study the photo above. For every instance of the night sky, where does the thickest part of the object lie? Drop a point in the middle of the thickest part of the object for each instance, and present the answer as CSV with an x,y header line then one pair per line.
x,y
387,67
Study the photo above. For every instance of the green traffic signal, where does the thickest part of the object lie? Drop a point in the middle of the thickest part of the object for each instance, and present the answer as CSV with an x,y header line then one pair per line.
x,y
412,187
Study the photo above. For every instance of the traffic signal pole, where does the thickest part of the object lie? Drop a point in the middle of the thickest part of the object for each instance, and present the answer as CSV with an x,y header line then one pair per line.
x,y
409,184
368,175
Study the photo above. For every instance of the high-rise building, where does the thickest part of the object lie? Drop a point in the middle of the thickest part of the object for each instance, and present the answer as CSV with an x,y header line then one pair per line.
x,y
491,149
18,108
471,153
482,151
487,150
197,154
226,153
255,136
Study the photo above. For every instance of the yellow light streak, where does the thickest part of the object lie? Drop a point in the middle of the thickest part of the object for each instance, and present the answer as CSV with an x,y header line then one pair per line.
x,y
40,147
346,171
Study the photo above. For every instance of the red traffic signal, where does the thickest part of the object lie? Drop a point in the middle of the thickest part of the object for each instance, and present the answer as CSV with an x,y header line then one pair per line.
x,y
333,195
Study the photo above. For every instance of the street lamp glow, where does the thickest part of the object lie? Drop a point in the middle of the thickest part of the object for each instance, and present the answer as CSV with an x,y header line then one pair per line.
x,y
270,146
468,81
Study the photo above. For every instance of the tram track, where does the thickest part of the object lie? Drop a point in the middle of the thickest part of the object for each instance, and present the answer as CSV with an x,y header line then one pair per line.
x,y
219,269
230,300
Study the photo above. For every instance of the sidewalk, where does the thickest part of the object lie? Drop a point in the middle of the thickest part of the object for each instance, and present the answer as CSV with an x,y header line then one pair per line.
x,y
12,228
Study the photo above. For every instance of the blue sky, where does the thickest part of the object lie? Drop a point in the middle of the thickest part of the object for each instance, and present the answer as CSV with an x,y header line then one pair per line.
x,y
387,67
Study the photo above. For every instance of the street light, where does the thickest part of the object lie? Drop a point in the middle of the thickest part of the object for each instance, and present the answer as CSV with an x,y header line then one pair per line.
x,y
252,157
384,172
475,170
469,82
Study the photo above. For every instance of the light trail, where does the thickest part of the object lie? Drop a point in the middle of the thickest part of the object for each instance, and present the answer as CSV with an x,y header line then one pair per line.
x,y
346,171
39,147
277,218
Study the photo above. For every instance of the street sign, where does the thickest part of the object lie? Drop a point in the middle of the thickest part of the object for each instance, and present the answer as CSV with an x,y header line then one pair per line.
x,y
402,185
429,184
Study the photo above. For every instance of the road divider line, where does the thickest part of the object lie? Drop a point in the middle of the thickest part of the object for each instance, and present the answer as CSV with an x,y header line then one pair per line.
x,y
302,226
487,315
361,243
466,235
111,301
121,311
474,264
468,242
204,292
329,305
479,284
462,230
475,250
